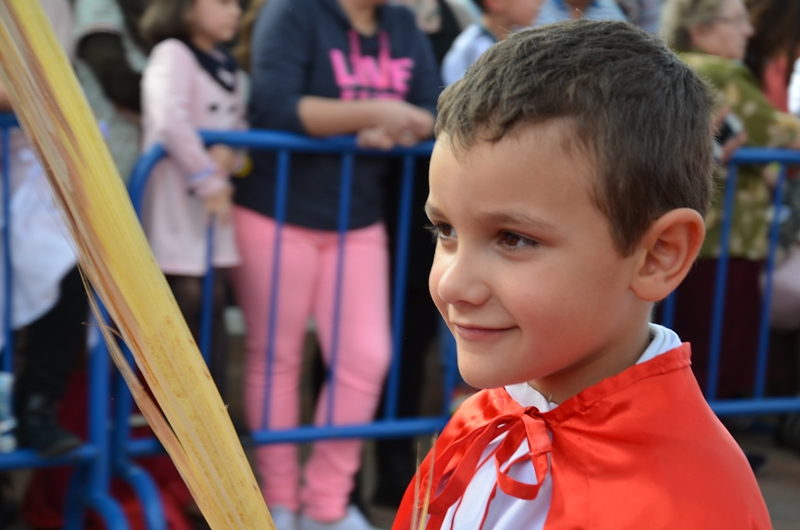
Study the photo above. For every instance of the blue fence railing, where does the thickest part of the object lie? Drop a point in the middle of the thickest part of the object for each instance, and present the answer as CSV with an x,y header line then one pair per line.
x,y
104,453
89,484
285,145
759,403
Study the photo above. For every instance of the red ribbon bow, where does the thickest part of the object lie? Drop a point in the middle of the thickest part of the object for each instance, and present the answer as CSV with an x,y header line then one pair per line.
x,y
463,457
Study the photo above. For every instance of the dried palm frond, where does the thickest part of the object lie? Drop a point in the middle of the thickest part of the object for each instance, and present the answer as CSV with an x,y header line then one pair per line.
x,y
195,427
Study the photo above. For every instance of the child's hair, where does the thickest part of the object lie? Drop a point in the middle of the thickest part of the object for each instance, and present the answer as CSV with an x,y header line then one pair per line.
x,y
640,113
165,19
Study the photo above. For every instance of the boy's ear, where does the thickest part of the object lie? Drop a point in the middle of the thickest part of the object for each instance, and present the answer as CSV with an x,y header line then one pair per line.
x,y
666,253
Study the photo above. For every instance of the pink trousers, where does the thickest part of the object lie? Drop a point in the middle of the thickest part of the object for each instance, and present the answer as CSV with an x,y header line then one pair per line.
x,y
306,288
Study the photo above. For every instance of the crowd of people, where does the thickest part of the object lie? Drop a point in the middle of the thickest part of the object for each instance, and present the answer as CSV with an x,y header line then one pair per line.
x,y
158,71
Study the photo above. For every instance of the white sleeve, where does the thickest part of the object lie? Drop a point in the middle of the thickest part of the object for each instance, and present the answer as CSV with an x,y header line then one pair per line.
x,y
452,68
794,90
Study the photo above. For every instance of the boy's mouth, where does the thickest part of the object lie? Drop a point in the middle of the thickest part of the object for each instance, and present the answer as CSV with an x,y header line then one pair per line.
x,y
474,333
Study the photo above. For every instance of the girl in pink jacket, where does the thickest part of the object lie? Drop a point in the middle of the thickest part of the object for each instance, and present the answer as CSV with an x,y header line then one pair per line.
x,y
191,83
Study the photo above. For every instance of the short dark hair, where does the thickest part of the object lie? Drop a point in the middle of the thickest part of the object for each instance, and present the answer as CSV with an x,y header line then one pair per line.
x,y
641,114
165,19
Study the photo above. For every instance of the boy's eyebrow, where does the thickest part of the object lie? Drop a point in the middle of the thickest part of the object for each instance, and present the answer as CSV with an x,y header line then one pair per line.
x,y
514,218
431,210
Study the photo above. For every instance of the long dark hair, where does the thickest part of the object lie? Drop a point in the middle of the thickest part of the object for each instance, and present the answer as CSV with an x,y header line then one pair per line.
x,y
165,19
777,34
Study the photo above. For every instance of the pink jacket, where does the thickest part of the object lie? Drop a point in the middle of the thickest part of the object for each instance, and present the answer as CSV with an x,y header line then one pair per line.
x,y
179,97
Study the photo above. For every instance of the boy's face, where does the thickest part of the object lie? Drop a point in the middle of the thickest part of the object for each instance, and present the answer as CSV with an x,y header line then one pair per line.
x,y
526,274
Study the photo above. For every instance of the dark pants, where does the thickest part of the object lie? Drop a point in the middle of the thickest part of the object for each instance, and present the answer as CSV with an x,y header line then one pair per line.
x,y
188,292
54,342
739,344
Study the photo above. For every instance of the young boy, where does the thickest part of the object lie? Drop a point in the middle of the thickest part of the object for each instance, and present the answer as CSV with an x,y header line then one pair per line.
x,y
568,184
498,18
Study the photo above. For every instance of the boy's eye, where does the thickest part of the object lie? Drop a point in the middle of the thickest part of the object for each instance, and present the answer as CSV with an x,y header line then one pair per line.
x,y
514,241
441,231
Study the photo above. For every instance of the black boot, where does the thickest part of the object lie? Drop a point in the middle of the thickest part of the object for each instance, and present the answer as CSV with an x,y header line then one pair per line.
x,y
39,430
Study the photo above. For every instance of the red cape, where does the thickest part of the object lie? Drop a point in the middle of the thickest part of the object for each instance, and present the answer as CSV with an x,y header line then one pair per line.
x,y
641,449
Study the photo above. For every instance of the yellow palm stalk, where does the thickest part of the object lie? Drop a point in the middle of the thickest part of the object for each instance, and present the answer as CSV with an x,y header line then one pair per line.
x,y
114,254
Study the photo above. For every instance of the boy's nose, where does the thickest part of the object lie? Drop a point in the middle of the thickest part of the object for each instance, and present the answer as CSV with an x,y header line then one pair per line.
x,y
460,280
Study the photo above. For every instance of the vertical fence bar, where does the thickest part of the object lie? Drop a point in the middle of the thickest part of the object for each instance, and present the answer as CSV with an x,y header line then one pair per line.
x,y
718,312
668,310
99,406
763,338
399,287
345,188
208,296
142,484
8,358
123,402
281,195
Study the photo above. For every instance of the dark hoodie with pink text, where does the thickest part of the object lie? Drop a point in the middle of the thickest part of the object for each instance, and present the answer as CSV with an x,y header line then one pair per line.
x,y
309,48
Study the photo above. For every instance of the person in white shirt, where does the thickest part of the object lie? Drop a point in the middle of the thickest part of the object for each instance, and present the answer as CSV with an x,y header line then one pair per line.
x,y
561,10
498,19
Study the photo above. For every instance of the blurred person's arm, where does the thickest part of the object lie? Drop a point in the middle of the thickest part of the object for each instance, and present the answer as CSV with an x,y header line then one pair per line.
x,y
105,54
280,57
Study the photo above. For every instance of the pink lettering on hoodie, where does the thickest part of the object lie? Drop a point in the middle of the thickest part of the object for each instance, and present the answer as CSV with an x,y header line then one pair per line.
x,y
367,77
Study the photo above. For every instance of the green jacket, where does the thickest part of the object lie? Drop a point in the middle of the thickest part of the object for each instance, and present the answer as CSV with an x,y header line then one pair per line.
x,y
765,127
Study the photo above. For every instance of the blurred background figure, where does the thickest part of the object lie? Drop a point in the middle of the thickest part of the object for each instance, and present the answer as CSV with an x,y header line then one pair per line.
x,y
644,13
324,67
772,56
774,47
190,83
441,21
48,296
111,57
560,10
711,36
498,19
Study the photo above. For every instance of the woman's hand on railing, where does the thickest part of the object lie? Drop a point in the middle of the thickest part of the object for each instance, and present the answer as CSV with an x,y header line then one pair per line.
x,y
375,138
405,123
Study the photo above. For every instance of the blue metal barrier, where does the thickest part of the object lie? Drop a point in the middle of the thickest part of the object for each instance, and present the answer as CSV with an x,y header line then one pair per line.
x,y
89,485
124,448
758,404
